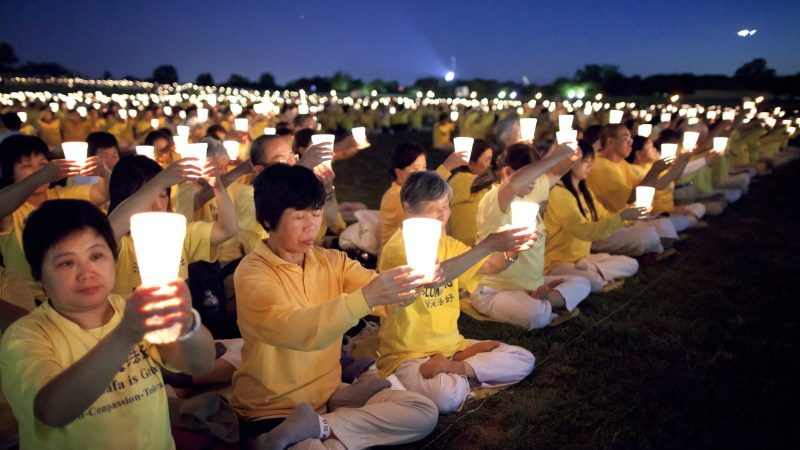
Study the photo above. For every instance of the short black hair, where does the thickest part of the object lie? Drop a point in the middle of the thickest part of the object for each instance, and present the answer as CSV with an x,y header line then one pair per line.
x,y
154,136
55,220
403,156
280,187
283,129
100,139
11,121
302,138
638,145
214,129
128,176
518,156
13,149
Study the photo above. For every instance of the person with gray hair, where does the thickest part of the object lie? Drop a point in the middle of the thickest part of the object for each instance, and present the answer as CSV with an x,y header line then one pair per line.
x,y
419,341
507,131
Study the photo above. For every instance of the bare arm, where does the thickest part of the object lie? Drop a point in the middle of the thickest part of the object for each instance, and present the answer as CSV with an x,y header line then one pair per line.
x,y
521,181
205,193
14,195
226,225
509,240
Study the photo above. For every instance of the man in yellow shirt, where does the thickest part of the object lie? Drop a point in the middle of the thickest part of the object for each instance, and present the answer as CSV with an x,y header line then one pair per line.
x,y
420,343
295,301
613,182
522,295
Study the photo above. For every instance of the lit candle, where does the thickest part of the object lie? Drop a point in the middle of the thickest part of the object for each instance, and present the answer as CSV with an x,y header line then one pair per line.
x,y
711,115
359,135
154,124
240,124
565,122
23,116
232,148
168,110
158,242
421,238
327,141
146,150
693,121
202,114
770,121
668,150
75,151
269,131
527,129
54,107
236,109
729,115
614,116
720,143
666,117
645,130
302,109
791,130
182,130
690,140
454,116
463,146
568,137
644,196
199,151
749,105
524,214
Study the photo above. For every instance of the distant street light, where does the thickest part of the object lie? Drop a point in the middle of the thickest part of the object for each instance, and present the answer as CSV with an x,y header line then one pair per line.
x,y
449,76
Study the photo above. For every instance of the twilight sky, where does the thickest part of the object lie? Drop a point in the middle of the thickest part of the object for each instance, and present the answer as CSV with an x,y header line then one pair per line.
x,y
402,40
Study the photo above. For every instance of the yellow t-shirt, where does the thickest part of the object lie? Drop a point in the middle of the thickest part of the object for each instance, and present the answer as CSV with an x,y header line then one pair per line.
x,y
250,231
570,233
663,200
184,204
14,290
196,247
50,132
527,273
441,133
611,182
75,131
464,208
292,320
131,413
11,233
430,324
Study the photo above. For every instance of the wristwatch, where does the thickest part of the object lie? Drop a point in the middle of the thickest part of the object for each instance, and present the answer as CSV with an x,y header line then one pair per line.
x,y
510,259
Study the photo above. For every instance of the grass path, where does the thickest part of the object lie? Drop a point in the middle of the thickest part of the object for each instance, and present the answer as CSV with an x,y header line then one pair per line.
x,y
698,351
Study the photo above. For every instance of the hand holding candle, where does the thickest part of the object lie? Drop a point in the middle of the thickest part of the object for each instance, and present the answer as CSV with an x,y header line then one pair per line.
x,y
644,197
324,140
142,319
668,150
75,151
720,143
524,215
690,140
421,237
463,146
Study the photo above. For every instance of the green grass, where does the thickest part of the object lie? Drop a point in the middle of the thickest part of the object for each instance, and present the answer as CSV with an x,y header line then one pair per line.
x,y
700,350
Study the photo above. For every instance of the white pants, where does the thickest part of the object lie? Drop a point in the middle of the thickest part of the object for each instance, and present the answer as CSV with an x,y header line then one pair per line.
x,y
636,240
389,417
506,364
698,210
731,195
740,181
519,308
599,268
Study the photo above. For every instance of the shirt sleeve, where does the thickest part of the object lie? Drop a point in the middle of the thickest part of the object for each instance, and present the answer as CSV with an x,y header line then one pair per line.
x,y
565,211
197,244
184,201
612,191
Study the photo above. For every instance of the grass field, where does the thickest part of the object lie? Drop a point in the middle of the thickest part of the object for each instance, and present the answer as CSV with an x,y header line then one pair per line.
x,y
699,351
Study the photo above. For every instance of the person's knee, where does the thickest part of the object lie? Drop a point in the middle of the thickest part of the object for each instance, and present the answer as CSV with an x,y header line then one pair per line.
x,y
540,317
629,266
448,392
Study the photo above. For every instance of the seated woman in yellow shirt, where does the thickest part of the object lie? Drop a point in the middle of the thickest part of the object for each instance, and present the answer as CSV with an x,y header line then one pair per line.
x,y
138,184
573,220
441,132
295,301
407,158
50,129
77,371
469,184
26,178
420,343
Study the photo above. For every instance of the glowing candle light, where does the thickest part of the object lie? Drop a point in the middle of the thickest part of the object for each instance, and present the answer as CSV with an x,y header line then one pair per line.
x,y
454,116
199,151
54,107
668,150
524,214
720,143
232,148
527,129
421,238
770,121
75,151
23,116
202,114
236,109
565,122
693,121
327,141
158,242
146,150
183,130
154,124
240,124
614,116
269,131
644,196
168,110
711,115
302,109
749,105
645,130
567,137
463,146
359,135
690,140
666,117
728,115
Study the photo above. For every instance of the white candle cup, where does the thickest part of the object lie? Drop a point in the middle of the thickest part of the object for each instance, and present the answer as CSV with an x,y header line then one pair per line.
x,y
232,149
720,143
23,116
454,116
146,150
54,107
182,130
691,112
302,109
669,150
644,196
614,116
199,151
567,137
527,129
463,146
324,139
666,117
168,110
565,122
154,124
158,242
240,124
749,105
729,115
180,142
524,214
236,109
645,130
770,122
359,135
791,130
421,238
711,115
75,151
269,131
202,114
690,140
